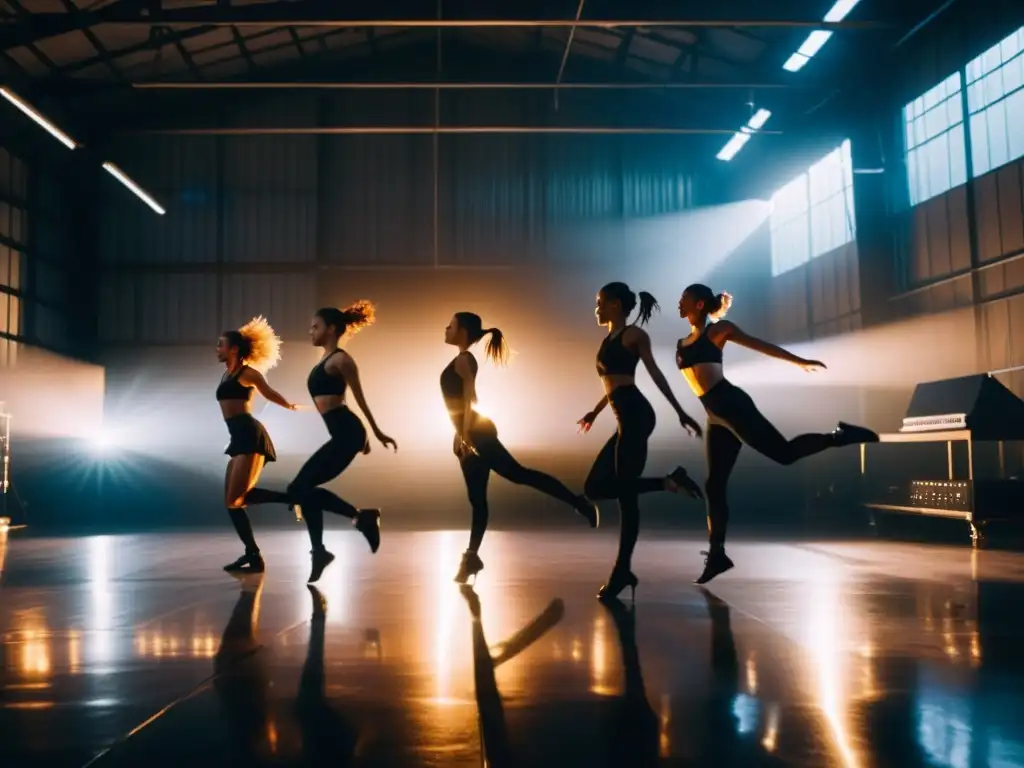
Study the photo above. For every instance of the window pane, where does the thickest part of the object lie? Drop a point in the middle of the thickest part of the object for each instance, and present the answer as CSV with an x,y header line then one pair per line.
x,y
957,149
14,319
1015,120
4,304
998,141
979,144
17,269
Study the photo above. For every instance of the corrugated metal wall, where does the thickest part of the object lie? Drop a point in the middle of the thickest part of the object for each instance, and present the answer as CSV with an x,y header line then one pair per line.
x,y
819,298
251,221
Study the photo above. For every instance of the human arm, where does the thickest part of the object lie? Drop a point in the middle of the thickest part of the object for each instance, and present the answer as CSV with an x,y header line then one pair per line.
x,y
641,343
588,420
343,365
250,377
727,331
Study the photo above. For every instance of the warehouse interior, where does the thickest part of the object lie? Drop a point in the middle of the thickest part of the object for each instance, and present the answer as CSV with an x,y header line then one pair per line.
x,y
850,171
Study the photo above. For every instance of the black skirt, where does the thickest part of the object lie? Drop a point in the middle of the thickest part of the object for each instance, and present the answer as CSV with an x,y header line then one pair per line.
x,y
248,436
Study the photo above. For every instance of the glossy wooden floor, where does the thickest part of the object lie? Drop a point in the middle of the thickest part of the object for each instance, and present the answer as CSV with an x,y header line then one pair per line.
x,y
138,650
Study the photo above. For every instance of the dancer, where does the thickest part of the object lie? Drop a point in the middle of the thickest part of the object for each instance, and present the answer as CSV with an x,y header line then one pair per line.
x,y
733,418
245,353
617,469
476,444
328,381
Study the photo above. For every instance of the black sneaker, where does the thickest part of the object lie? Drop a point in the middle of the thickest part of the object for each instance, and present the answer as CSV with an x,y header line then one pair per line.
x,y
850,434
250,562
367,522
321,559
716,562
681,482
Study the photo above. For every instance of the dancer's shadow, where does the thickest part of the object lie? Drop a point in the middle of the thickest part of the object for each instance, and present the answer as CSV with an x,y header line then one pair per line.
x,y
241,679
493,730
328,738
633,730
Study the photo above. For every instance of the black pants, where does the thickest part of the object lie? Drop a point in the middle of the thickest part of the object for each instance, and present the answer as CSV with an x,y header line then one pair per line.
x,y
490,455
617,469
348,440
733,419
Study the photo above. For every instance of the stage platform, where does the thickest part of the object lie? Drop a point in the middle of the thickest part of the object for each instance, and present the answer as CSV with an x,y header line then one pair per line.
x,y
140,651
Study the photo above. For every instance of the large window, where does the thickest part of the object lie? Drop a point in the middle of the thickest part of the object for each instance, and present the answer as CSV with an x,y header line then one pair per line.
x,y
813,214
936,157
995,101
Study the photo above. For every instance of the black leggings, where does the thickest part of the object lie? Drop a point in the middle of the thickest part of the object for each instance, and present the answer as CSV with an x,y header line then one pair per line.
x,y
617,468
491,456
348,440
733,419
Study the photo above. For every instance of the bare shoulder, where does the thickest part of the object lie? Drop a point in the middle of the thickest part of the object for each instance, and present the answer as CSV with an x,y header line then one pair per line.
x,y
341,362
722,331
250,376
634,335
465,364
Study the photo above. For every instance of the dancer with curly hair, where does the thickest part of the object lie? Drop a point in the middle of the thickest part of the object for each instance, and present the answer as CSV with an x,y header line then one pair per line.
x,y
247,353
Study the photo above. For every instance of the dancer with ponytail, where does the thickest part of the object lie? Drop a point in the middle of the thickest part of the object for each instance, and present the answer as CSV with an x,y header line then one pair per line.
x,y
617,469
328,382
476,444
247,354
733,418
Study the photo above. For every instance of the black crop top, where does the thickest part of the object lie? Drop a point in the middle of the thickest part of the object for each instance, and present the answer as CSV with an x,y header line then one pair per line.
x,y
230,388
702,350
614,358
320,382
452,384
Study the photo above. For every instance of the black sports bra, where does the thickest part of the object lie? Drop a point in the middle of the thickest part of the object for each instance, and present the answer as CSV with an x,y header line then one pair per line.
x,y
230,388
452,384
614,358
702,350
320,382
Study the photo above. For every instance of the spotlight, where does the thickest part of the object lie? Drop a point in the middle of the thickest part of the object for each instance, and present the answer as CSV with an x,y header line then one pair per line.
x,y
103,442
5,523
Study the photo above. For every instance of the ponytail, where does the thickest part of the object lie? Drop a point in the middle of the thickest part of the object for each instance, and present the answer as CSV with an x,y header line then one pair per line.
x,y
648,305
715,305
623,294
721,306
497,348
351,319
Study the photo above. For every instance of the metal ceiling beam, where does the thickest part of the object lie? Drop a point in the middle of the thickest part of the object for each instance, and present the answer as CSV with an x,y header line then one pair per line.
x,y
455,86
565,53
409,130
303,14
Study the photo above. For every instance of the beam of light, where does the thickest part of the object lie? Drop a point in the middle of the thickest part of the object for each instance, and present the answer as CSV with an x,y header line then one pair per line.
x,y
840,10
444,628
900,354
100,649
758,119
824,633
817,39
36,116
742,136
121,176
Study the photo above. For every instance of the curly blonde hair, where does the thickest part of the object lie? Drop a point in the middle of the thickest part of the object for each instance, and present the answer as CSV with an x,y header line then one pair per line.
x,y
258,344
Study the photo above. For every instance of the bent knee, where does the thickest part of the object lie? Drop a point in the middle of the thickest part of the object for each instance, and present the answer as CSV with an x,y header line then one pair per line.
x,y
235,502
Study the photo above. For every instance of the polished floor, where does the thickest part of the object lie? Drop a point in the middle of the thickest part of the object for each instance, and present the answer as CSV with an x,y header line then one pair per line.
x,y
138,650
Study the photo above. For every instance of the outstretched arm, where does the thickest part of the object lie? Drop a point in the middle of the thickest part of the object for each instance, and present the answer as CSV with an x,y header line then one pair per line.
x,y
728,331
253,378
641,342
347,368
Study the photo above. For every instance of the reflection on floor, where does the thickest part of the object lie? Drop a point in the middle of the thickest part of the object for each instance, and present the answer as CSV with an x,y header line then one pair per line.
x,y
138,650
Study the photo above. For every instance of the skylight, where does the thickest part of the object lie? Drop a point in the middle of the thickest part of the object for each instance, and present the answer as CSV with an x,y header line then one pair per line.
x,y
742,136
817,39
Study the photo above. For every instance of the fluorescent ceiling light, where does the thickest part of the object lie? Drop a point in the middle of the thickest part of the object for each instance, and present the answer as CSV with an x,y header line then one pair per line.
x,y
41,121
840,10
759,119
814,43
734,145
121,176
795,62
